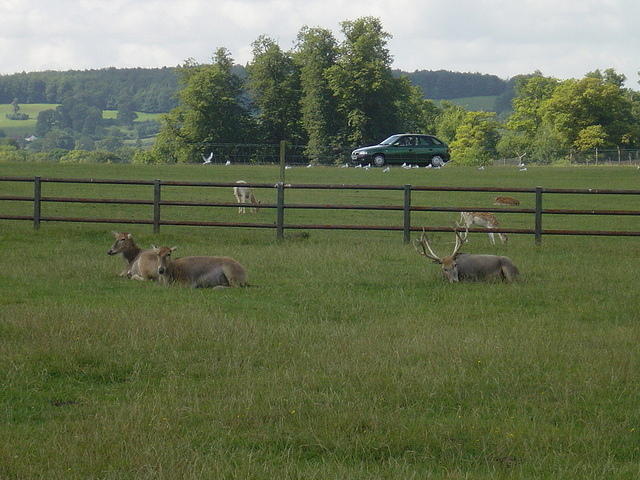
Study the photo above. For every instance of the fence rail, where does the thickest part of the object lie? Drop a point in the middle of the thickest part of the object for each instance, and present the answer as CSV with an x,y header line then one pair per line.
x,y
280,206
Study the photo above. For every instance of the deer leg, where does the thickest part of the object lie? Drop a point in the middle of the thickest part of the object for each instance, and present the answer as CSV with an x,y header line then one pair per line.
x,y
491,238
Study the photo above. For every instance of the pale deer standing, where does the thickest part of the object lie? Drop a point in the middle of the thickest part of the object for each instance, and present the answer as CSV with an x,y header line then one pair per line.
x,y
200,272
125,245
465,266
483,219
244,195
506,201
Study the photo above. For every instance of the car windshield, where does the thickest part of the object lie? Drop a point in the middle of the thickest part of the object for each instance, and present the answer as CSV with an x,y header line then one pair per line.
x,y
391,140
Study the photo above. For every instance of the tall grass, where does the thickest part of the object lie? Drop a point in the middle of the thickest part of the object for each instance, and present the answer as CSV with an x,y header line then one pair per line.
x,y
348,358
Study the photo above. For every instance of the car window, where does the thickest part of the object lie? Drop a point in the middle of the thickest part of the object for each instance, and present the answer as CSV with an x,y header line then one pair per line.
x,y
425,141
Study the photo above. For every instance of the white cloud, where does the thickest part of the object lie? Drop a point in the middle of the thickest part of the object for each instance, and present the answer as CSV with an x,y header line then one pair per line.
x,y
562,39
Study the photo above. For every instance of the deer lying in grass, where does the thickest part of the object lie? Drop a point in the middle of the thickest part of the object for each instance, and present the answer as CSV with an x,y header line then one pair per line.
x,y
244,195
199,272
145,266
125,245
465,266
506,201
483,219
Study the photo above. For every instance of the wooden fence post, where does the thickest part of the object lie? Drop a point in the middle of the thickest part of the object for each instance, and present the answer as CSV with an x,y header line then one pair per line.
x,y
280,211
538,221
37,195
283,151
156,206
407,213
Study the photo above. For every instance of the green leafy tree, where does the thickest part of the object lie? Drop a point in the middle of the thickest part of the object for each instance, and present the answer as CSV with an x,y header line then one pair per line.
x,y
476,139
589,138
531,92
211,110
447,122
316,52
126,111
578,104
363,83
274,83
47,120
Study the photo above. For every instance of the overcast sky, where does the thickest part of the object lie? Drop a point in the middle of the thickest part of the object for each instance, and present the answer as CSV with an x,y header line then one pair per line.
x,y
561,38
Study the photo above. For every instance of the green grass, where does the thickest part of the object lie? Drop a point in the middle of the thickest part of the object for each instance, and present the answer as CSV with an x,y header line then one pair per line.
x,y
484,103
349,358
21,128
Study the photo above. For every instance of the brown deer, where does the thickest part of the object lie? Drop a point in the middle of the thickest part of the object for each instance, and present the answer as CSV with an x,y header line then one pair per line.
x,y
125,245
200,272
145,266
244,195
464,266
506,201
483,219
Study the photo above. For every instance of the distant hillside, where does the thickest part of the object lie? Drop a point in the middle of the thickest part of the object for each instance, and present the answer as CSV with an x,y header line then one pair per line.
x,y
154,90
147,89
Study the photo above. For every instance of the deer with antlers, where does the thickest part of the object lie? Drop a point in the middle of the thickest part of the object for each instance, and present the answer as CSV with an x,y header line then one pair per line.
x,y
466,266
483,219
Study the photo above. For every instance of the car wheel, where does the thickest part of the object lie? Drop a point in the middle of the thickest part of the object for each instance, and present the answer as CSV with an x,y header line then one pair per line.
x,y
437,161
378,160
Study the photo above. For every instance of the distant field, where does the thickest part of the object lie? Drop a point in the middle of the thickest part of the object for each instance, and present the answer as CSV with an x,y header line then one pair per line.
x,y
348,358
23,128
486,104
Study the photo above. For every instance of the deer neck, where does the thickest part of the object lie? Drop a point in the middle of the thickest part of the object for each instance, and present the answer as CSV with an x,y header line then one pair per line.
x,y
131,253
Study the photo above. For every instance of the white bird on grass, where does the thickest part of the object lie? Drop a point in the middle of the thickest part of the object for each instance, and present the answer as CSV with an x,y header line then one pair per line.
x,y
346,165
404,165
309,166
523,169
287,167
481,167
228,163
386,170
358,166
207,159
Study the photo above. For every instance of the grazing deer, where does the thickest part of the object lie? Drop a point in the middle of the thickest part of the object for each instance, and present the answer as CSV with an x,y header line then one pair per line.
x,y
243,196
200,272
464,266
125,245
482,219
506,201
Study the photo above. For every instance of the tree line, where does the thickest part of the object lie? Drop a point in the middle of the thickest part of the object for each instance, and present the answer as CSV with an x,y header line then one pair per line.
x,y
328,95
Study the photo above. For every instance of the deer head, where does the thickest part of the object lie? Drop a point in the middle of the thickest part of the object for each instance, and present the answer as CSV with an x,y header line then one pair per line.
x,y
448,263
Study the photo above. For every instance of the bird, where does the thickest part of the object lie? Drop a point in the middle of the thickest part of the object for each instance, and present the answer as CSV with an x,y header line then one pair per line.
x,y
309,166
346,165
207,159
429,166
228,163
404,165
287,167
415,166
481,167
358,166
523,169
386,170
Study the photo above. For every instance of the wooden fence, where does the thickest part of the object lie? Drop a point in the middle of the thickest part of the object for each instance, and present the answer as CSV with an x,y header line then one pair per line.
x,y
280,206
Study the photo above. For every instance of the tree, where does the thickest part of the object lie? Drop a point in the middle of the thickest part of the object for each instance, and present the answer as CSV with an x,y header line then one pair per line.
x,y
211,110
47,119
317,52
578,104
126,111
476,139
274,82
363,83
447,122
590,137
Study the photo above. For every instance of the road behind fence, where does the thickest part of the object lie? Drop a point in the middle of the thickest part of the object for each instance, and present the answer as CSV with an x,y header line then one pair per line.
x,y
280,206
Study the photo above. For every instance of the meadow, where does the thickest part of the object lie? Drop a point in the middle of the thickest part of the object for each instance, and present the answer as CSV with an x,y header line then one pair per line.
x,y
22,128
349,357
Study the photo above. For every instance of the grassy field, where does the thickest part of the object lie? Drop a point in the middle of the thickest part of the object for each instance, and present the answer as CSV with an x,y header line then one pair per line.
x,y
22,128
484,103
348,358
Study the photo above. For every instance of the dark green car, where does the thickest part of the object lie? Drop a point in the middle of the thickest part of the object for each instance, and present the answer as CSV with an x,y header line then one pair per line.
x,y
405,148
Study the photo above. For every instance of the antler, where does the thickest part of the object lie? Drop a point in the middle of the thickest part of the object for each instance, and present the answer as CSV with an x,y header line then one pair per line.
x,y
424,243
460,239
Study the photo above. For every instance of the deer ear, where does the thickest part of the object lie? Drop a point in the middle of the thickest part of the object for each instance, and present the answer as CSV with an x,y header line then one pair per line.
x,y
154,247
115,234
173,249
129,236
